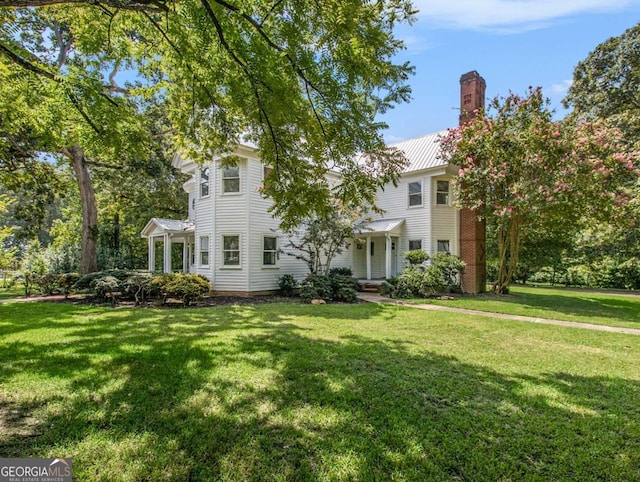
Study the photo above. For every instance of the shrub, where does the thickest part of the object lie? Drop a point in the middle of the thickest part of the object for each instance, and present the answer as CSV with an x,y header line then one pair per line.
x,y
316,286
85,281
416,256
432,281
138,287
389,287
630,273
288,285
341,271
451,267
158,284
344,288
409,282
186,287
66,282
106,287
46,284
415,281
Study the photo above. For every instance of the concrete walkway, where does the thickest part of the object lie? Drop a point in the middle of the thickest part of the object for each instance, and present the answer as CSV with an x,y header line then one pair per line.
x,y
377,298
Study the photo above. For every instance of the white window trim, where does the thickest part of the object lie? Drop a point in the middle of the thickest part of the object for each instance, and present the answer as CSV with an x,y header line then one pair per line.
x,y
222,250
409,206
208,250
442,240
448,204
239,178
208,182
271,266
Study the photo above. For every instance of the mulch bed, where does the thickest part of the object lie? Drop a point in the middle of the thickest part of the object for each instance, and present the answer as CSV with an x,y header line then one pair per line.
x,y
87,299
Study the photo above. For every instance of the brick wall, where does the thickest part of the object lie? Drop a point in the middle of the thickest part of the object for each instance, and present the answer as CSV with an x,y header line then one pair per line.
x,y
472,228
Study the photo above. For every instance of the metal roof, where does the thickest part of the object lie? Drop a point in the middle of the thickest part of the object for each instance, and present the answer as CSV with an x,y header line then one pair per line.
x,y
380,226
422,152
168,226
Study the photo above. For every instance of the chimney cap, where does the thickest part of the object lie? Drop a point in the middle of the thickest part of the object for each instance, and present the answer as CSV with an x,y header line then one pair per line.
x,y
473,75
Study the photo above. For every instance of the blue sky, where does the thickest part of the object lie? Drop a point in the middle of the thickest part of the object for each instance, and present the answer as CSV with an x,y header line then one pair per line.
x,y
512,43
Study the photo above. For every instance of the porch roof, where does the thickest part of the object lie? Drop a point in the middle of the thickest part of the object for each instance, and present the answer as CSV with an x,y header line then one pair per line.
x,y
158,227
380,226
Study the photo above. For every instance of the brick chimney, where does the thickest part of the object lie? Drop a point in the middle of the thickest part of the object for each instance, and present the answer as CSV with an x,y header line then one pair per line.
x,y
472,229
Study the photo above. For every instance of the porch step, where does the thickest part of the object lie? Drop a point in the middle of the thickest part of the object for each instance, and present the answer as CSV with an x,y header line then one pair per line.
x,y
370,287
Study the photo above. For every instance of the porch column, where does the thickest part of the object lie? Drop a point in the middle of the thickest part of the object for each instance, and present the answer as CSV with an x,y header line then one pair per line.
x,y
167,254
185,256
152,253
387,264
368,253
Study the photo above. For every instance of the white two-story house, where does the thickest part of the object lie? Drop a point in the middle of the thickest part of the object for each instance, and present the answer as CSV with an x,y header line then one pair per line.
x,y
231,238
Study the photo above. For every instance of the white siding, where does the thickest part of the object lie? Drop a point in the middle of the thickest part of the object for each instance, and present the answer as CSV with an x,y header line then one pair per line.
x,y
444,221
203,215
262,223
246,215
230,217
395,202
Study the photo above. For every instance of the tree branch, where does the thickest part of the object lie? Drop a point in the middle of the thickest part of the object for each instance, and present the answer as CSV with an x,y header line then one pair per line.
x,y
245,68
259,28
133,5
25,64
177,51
113,86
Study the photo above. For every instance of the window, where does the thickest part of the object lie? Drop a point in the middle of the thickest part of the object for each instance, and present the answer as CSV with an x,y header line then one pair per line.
x,y
372,250
204,182
442,193
415,193
269,251
231,250
443,246
230,179
266,174
266,171
415,244
204,250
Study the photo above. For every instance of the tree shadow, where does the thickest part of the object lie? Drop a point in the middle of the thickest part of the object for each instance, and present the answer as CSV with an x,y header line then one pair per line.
x,y
615,308
244,395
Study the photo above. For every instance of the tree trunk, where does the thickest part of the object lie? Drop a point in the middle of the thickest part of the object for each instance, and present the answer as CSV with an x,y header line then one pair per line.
x,y
116,234
88,250
508,252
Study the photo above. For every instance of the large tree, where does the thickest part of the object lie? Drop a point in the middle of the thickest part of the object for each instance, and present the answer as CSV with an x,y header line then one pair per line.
x,y
304,80
522,170
607,84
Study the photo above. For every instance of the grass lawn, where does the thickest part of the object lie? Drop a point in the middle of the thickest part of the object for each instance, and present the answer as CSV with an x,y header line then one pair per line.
x,y
13,292
559,304
299,392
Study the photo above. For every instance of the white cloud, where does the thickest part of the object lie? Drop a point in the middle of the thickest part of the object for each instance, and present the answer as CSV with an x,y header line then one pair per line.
x,y
508,16
562,88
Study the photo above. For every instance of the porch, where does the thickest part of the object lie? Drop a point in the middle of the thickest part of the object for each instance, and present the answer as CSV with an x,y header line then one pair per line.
x,y
375,255
169,232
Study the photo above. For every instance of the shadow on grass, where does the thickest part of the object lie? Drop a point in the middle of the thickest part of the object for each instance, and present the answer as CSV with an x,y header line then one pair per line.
x,y
243,394
580,304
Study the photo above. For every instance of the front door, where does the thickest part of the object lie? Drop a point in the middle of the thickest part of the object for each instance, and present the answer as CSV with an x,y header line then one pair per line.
x,y
394,257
